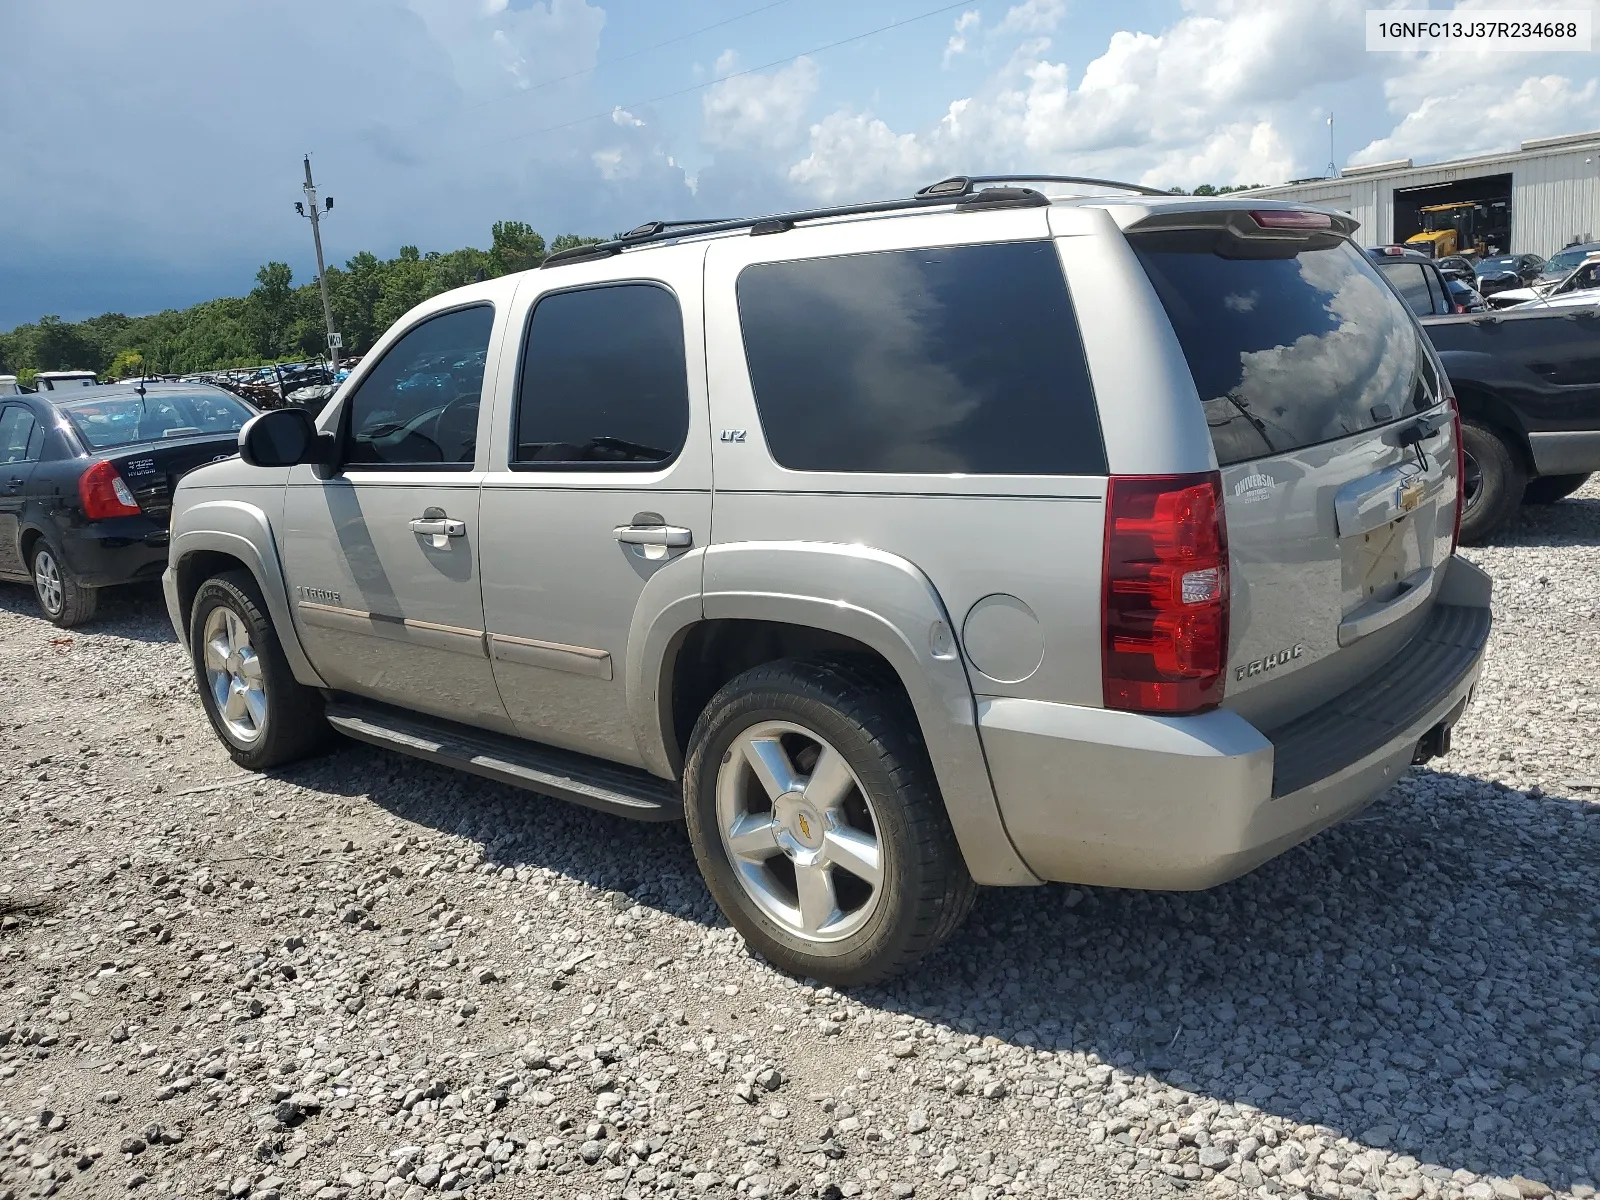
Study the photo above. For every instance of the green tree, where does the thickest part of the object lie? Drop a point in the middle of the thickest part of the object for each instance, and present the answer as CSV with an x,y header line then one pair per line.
x,y
127,362
516,247
272,307
60,346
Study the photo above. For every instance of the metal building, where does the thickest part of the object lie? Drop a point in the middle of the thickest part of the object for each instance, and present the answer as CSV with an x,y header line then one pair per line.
x,y
1539,198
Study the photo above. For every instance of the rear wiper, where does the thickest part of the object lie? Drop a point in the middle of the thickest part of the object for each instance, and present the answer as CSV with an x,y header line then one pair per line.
x,y
1420,430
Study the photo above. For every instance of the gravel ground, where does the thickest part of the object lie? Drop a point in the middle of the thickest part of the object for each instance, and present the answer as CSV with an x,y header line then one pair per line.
x,y
367,977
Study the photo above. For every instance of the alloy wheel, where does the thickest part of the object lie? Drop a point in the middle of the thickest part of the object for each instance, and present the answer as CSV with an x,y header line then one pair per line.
x,y
800,831
47,582
233,673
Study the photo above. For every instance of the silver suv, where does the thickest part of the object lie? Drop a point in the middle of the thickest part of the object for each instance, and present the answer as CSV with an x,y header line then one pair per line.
x,y
991,536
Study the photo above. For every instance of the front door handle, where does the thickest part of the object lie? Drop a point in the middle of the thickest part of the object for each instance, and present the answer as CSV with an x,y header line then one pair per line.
x,y
438,527
654,535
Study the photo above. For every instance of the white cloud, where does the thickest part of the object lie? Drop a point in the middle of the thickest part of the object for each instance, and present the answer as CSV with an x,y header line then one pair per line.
x,y
854,155
493,45
1032,16
965,24
758,112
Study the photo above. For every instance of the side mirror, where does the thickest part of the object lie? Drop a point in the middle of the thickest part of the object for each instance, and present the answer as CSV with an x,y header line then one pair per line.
x,y
281,437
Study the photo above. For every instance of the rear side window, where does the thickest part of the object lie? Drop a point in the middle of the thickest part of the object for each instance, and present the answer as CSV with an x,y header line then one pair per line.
x,y
1411,281
1288,349
960,359
16,435
604,380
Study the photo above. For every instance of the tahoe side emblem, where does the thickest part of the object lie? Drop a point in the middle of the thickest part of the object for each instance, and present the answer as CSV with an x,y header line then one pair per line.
x,y
733,435
1254,487
1270,663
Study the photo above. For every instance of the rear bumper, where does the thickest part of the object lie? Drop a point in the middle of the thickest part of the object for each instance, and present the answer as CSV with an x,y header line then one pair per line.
x,y
121,550
1122,799
1574,452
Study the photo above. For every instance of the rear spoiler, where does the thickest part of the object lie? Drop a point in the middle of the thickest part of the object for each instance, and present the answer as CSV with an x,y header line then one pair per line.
x,y
1262,221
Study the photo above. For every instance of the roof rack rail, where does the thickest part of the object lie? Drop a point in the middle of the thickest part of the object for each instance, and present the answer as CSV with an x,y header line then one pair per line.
x,y
651,228
962,185
968,200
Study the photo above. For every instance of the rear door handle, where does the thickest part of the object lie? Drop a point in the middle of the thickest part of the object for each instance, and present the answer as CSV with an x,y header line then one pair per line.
x,y
439,527
16,483
654,535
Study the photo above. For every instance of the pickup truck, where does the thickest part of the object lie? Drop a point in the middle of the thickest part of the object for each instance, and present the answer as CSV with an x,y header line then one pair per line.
x,y
1528,384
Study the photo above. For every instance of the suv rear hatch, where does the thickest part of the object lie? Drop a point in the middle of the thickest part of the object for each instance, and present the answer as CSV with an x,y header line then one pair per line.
x,y
1332,427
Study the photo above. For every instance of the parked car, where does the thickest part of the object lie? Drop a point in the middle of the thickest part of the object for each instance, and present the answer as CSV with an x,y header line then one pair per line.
x,y
1527,380
86,483
1577,289
1457,266
1563,263
8,386
1503,272
58,381
1464,298
999,588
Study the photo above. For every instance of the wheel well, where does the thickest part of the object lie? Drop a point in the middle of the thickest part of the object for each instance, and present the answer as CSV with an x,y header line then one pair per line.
x,y
25,544
1488,409
194,569
713,652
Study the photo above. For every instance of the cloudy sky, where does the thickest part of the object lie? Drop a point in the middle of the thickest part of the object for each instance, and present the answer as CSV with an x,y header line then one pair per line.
x,y
150,152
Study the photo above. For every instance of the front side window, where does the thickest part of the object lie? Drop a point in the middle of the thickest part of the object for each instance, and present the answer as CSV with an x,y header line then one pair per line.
x,y
958,359
1290,346
604,380
419,406
16,434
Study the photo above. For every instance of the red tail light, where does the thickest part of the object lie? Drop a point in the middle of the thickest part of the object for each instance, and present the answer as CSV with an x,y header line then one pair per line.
x,y
104,494
1461,473
1164,599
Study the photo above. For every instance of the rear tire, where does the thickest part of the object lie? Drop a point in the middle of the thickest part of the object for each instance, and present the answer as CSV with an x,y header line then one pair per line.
x,y
264,716
1549,489
1496,480
861,797
65,601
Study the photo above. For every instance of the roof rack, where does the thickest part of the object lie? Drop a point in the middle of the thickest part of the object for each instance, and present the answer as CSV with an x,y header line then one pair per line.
x,y
968,200
962,185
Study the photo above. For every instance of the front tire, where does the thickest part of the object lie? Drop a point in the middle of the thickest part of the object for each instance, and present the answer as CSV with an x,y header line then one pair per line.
x,y
1495,482
817,822
263,714
65,601
1551,489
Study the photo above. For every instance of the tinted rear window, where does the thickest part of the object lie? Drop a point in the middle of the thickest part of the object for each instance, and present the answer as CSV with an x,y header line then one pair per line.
x,y
122,420
1289,350
961,359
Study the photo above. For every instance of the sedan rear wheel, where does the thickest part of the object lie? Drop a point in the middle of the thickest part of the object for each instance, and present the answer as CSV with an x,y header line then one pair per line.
x,y
65,601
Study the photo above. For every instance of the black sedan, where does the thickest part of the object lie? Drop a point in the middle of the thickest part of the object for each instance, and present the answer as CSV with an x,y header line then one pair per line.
x,y
86,481
1504,272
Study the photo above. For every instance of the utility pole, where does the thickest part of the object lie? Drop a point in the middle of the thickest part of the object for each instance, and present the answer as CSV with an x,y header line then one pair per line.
x,y
1332,172
309,209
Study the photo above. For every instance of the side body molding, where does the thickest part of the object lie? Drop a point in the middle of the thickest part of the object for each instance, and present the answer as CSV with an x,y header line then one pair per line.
x,y
240,530
895,610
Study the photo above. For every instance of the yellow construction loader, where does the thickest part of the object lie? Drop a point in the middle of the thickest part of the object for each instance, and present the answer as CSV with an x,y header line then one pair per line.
x,y
1448,229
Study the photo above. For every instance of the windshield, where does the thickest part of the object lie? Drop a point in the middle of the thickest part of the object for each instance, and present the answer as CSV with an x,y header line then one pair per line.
x,y
129,418
1561,263
1504,263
